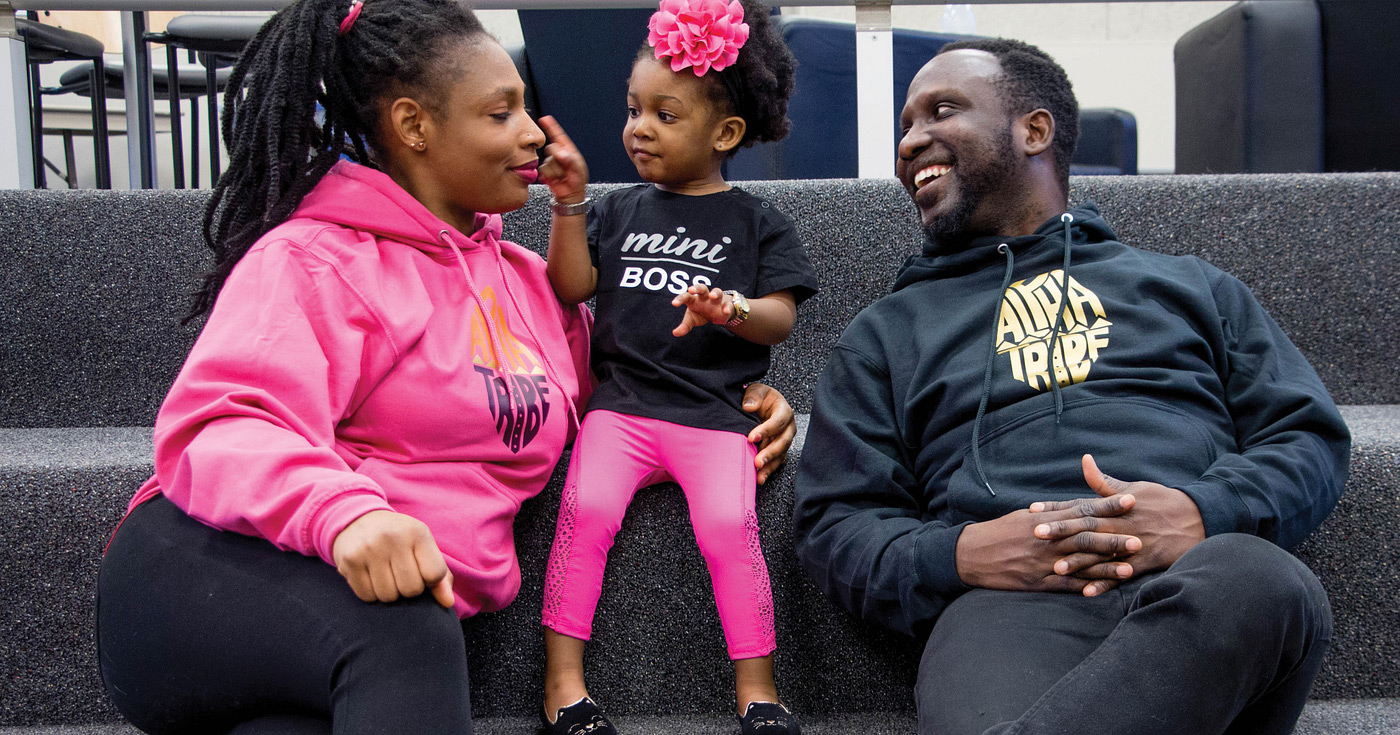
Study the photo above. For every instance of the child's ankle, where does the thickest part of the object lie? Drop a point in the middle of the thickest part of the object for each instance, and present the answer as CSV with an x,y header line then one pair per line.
x,y
558,695
753,681
749,696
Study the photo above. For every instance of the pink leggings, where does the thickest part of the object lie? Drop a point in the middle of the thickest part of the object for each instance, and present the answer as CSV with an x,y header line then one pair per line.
x,y
614,456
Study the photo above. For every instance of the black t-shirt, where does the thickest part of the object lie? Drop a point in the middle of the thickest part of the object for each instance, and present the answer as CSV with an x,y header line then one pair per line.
x,y
650,245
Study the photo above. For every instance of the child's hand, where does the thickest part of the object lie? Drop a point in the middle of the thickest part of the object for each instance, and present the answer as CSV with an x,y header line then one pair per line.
x,y
564,169
703,306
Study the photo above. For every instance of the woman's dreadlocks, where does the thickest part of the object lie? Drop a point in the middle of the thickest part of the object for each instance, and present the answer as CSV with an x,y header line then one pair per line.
x,y
280,145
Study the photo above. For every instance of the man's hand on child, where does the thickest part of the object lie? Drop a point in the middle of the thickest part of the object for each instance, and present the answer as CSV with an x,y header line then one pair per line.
x,y
564,171
702,306
774,435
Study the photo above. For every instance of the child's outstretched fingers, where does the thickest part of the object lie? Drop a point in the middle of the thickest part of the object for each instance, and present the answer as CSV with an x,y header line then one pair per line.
x,y
703,306
711,304
690,321
683,299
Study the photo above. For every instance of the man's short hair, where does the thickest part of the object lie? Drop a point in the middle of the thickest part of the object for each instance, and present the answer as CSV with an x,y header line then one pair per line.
x,y
1031,80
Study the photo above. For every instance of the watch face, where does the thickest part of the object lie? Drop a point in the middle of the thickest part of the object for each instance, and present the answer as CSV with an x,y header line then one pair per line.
x,y
741,309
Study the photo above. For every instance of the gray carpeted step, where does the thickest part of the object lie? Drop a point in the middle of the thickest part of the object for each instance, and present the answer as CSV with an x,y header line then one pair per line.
x,y
91,310
658,644
1340,717
90,319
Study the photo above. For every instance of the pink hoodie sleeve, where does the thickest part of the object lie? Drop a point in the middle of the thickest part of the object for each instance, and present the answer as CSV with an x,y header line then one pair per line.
x,y
245,439
578,327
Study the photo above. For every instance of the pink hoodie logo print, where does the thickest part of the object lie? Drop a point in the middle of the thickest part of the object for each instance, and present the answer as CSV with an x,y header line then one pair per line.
x,y
517,389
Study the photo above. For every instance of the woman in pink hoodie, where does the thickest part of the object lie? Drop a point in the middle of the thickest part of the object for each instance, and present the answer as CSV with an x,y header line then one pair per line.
x,y
381,382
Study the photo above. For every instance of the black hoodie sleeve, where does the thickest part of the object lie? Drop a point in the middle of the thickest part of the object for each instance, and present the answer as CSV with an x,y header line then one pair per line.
x,y
860,524
1294,447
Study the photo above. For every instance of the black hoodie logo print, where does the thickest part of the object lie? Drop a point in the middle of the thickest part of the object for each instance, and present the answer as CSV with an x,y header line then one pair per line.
x,y
1028,312
517,390
518,404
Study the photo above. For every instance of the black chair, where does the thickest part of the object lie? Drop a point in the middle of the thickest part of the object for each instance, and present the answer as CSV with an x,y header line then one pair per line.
x,y
1107,143
1290,86
214,41
191,87
824,141
46,44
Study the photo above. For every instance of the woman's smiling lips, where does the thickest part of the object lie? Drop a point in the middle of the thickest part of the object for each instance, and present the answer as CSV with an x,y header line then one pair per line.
x,y
530,171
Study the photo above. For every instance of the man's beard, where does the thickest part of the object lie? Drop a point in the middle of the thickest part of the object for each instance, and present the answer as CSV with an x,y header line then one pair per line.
x,y
985,169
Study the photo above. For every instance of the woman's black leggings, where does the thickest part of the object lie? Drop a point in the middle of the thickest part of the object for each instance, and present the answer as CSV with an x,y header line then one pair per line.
x,y
201,630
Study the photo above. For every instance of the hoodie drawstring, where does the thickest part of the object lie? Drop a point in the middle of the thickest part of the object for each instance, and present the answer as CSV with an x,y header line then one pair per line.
x,y
480,302
544,354
1004,249
1055,333
491,324
1054,345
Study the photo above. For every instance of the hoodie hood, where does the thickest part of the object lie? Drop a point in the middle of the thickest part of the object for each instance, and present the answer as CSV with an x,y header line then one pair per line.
x,y
365,355
937,261
366,199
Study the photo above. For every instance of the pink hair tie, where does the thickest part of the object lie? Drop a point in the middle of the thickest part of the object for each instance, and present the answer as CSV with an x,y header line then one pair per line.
x,y
351,16
701,34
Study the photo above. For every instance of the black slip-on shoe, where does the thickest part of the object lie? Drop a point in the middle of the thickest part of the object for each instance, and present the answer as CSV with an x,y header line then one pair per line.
x,y
768,718
583,717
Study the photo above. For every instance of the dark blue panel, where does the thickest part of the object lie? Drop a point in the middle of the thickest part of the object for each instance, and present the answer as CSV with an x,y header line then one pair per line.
x,y
823,142
579,63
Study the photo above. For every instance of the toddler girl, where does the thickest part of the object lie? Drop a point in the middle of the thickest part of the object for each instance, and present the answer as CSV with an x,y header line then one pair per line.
x,y
711,79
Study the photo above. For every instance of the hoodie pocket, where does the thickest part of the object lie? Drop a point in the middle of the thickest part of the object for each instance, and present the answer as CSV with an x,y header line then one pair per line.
x,y
1032,457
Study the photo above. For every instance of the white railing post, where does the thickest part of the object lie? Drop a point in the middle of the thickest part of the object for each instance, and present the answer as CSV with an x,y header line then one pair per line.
x,y
16,162
140,118
874,88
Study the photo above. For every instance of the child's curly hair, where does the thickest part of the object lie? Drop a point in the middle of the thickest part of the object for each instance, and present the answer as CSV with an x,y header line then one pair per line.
x,y
757,86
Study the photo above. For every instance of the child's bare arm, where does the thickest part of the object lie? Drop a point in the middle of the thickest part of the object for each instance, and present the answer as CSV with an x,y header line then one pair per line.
x,y
769,322
569,266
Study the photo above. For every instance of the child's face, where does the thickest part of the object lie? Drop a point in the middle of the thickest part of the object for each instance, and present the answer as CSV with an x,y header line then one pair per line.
x,y
674,135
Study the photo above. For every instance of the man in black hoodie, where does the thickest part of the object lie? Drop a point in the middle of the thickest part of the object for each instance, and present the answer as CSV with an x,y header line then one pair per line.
x,y
952,484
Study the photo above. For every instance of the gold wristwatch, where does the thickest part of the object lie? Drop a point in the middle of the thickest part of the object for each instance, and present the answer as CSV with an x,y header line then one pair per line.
x,y
741,309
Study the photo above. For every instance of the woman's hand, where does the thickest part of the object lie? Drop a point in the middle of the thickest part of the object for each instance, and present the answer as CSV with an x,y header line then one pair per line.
x,y
386,555
564,169
774,435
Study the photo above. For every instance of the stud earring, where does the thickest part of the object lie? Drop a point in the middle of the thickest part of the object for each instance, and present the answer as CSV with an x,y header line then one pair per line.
x,y
420,145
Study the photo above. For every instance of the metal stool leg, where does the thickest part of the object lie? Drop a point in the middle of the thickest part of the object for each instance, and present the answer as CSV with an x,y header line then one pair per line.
x,y
177,143
70,161
212,90
100,142
194,143
36,126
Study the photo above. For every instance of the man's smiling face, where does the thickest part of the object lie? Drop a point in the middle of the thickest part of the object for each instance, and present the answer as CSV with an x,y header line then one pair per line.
x,y
958,158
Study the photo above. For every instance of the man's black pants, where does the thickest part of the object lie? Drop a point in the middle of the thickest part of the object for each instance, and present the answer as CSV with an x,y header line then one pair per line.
x,y
1227,640
205,631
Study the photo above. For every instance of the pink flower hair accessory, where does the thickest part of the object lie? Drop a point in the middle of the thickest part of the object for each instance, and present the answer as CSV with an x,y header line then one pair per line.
x,y
701,34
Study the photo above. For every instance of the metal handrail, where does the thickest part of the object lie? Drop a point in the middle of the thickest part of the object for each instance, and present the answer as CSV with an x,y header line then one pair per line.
x,y
206,5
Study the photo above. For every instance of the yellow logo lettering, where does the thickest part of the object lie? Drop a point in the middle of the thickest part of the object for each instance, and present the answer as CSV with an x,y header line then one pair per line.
x,y
1028,313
